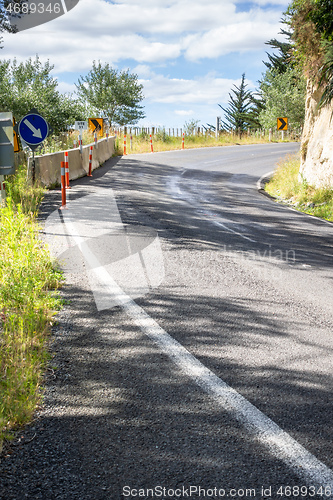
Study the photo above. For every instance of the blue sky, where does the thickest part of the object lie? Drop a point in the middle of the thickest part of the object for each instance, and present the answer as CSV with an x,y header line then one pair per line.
x,y
187,53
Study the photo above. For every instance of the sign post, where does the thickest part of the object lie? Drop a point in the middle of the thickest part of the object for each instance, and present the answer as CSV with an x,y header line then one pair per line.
x,y
33,130
218,126
282,124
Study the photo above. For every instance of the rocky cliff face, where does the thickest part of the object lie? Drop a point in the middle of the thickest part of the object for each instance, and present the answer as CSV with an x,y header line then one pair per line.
x,y
317,142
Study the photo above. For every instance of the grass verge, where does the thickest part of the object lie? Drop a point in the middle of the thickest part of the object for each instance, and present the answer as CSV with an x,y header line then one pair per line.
x,y
28,300
286,186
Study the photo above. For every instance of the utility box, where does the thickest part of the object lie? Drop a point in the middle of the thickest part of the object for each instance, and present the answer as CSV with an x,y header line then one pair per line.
x,y
6,144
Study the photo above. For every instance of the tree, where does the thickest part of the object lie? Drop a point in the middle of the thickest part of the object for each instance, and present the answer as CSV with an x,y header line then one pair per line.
x,y
283,95
321,15
5,25
283,87
28,85
239,114
116,95
307,39
280,62
312,24
190,126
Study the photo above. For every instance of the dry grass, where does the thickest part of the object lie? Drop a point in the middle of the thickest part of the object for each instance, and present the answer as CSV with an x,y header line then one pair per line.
x,y
163,142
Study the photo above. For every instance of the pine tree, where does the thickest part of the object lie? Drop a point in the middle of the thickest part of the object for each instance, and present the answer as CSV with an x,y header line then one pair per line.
x,y
280,62
239,113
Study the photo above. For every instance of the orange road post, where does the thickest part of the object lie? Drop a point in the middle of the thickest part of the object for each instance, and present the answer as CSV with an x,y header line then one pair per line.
x,y
67,170
63,185
90,161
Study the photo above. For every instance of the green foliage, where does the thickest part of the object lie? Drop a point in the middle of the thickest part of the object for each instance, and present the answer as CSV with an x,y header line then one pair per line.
x,y
283,87
280,62
190,126
4,23
308,33
28,85
115,95
288,187
5,100
283,95
162,136
322,16
326,78
312,24
22,193
239,114
27,303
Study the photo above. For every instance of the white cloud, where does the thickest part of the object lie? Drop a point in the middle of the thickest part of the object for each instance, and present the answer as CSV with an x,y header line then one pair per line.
x,y
66,88
145,34
144,31
184,112
244,37
280,3
207,89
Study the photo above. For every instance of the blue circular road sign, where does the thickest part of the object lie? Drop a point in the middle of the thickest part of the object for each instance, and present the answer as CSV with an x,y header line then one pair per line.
x,y
33,129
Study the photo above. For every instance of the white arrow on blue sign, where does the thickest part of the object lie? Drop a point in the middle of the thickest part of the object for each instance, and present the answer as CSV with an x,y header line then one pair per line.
x,y
33,129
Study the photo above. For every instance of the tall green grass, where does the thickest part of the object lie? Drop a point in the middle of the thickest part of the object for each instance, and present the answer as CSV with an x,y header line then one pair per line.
x,y
28,301
287,186
23,194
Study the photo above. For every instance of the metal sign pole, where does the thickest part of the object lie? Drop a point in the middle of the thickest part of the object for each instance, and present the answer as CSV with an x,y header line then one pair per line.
x,y
218,124
33,169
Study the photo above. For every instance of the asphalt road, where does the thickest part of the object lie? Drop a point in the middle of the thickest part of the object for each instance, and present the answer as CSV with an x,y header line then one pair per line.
x,y
194,356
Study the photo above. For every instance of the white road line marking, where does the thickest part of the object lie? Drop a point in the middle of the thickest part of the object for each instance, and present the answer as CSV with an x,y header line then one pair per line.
x,y
221,160
278,442
217,223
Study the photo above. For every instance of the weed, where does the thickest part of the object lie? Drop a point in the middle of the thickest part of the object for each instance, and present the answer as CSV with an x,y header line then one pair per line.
x,y
22,193
289,186
28,300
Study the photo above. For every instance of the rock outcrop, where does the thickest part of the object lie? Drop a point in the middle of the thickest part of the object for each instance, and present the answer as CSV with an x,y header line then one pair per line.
x,y
317,142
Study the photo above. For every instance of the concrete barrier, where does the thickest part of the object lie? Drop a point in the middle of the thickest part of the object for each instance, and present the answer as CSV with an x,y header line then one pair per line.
x,y
48,166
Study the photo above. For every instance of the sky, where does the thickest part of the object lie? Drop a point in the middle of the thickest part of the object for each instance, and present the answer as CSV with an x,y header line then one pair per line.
x,y
188,54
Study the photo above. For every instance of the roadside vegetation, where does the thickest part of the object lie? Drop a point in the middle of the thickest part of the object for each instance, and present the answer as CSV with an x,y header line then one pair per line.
x,y
28,301
163,142
287,187
308,55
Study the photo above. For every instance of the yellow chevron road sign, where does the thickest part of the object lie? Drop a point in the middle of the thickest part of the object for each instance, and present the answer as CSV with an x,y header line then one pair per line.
x,y
96,125
282,123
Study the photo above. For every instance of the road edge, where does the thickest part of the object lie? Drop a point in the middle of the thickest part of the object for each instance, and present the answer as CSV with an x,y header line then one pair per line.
x,y
260,185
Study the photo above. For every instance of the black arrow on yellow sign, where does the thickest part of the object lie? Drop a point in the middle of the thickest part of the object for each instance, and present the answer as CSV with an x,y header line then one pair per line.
x,y
282,123
96,125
